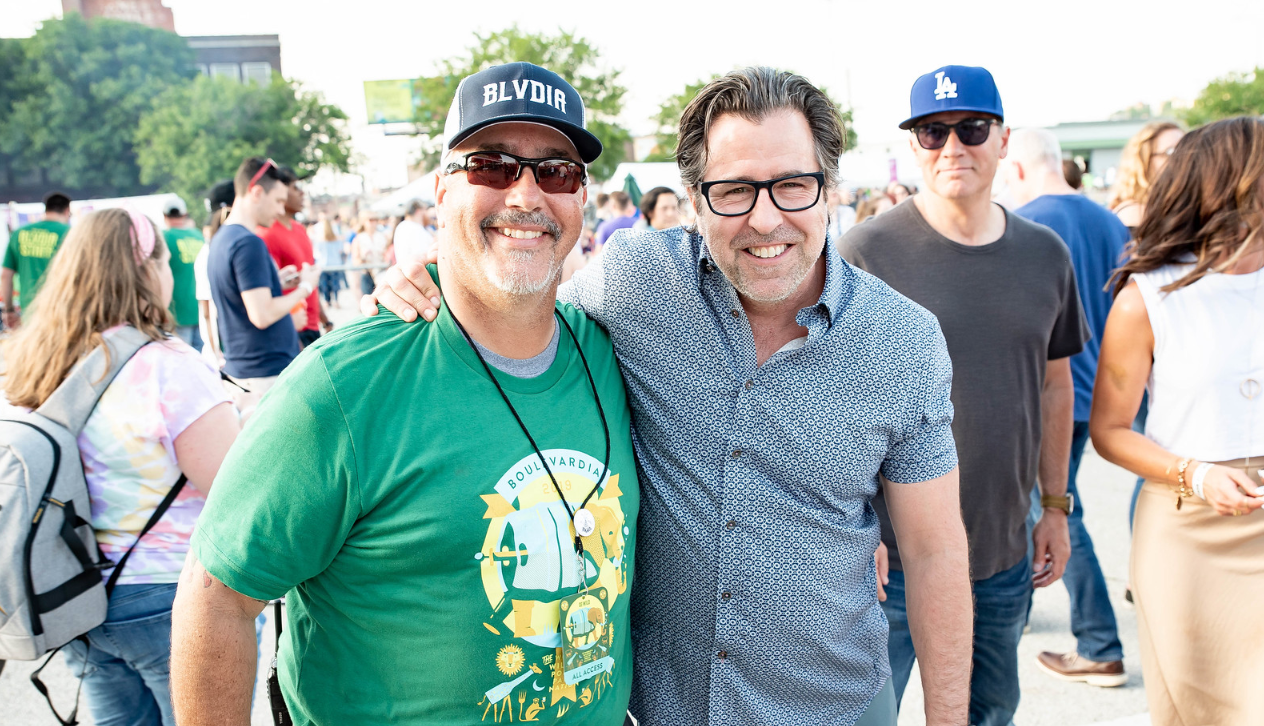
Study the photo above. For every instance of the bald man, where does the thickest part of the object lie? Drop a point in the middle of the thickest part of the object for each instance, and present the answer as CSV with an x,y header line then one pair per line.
x,y
1096,239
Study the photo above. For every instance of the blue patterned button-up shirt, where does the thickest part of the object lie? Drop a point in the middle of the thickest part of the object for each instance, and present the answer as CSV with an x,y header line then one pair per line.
x,y
754,599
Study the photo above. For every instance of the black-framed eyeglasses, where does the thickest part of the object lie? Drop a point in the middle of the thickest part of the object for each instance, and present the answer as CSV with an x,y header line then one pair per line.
x,y
500,170
970,131
734,197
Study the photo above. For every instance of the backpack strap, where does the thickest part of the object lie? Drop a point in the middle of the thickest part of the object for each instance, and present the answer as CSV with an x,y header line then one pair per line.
x,y
72,403
153,519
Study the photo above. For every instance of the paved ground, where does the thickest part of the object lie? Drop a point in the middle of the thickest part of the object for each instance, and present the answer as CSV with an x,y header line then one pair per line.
x,y
1105,490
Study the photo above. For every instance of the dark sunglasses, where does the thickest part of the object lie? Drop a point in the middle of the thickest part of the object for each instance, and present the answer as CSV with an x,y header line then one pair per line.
x,y
268,164
500,170
971,132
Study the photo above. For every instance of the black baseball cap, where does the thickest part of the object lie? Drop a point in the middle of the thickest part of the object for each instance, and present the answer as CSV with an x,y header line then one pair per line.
x,y
519,92
221,195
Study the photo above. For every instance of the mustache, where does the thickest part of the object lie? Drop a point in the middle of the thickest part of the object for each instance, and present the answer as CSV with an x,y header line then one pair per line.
x,y
783,234
511,219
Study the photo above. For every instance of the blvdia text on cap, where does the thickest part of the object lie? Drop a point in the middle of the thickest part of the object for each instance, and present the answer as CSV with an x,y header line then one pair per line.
x,y
531,90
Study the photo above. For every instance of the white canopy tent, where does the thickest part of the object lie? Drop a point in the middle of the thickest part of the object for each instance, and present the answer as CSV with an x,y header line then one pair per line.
x,y
396,202
15,215
647,175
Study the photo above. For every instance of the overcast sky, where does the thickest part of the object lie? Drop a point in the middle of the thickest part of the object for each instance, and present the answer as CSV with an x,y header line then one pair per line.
x,y
1054,62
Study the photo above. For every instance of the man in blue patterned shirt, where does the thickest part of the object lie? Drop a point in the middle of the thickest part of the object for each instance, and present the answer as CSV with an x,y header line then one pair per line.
x,y
773,389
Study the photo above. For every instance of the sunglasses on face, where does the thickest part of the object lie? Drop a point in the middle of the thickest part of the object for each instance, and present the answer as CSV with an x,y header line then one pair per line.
x,y
500,170
971,132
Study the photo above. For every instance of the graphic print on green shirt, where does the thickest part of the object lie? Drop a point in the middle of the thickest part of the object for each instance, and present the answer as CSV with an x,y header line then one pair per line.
x,y
30,250
184,245
385,486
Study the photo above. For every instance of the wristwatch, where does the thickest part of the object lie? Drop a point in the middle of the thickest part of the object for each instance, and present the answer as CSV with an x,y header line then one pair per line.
x,y
1066,504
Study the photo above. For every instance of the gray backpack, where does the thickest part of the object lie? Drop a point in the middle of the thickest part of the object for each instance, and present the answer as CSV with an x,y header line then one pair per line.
x,y
50,566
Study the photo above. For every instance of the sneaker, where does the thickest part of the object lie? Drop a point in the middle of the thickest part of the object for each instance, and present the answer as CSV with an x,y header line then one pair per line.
x,y
1071,667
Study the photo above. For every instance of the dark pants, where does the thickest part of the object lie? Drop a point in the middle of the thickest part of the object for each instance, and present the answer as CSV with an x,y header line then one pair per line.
x,y
329,285
366,283
307,337
1000,609
1092,617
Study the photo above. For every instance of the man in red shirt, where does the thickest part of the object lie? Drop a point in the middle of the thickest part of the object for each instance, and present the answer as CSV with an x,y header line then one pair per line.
x,y
290,246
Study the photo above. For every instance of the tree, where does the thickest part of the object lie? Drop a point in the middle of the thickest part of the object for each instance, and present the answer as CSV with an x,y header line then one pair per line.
x,y
669,113
86,84
571,57
1236,94
198,133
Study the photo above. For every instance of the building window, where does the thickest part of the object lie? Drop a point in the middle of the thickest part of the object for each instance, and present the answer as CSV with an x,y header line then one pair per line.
x,y
258,72
229,70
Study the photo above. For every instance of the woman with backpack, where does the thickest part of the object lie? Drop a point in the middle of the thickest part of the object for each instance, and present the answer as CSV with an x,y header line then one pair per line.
x,y
166,413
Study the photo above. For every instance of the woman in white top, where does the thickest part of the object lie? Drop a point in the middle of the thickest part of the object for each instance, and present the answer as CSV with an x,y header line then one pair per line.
x,y
1188,327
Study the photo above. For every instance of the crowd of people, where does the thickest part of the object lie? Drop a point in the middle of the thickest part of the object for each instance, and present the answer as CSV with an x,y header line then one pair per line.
x,y
739,456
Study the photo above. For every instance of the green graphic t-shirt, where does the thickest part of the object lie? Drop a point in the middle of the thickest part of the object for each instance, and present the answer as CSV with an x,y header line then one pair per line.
x,y
185,244
28,254
384,487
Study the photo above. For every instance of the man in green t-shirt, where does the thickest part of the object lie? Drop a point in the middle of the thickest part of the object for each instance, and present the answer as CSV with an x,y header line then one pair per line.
x,y
185,243
30,250
468,566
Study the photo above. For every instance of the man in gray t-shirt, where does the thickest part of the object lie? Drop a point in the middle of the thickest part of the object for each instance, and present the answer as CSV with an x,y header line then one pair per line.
x,y
1004,292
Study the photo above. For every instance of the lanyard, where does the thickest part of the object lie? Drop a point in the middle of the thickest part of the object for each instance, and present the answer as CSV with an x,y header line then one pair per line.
x,y
582,520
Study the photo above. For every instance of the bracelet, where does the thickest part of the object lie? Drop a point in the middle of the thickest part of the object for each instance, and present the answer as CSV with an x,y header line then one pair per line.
x,y
306,286
1200,475
1183,489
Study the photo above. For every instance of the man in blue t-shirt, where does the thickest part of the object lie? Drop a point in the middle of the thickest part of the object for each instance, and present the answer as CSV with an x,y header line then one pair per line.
x,y
258,336
1096,239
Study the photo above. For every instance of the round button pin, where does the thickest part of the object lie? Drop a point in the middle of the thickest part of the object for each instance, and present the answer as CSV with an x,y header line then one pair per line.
x,y
585,523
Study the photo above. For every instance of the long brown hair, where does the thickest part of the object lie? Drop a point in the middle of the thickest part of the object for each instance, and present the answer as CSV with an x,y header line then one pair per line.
x,y
1208,202
92,285
1133,182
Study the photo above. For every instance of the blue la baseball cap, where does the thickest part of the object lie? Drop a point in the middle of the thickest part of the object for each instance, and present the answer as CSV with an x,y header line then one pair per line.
x,y
519,92
954,88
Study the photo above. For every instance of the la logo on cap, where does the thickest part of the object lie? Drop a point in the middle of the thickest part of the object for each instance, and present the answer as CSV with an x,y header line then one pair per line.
x,y
531,90
944,87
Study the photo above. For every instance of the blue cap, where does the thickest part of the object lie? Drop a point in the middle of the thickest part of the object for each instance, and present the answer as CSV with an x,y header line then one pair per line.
x,y
519,92
954,88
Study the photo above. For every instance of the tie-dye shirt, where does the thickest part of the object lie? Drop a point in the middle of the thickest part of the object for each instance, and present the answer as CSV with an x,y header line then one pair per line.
x,y
129,459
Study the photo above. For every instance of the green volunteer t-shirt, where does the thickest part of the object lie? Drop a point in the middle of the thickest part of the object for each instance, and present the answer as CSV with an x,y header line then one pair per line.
x,y
185,244
28,254
384,487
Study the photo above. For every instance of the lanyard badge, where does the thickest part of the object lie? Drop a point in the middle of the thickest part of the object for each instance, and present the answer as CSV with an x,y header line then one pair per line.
x,y
584,622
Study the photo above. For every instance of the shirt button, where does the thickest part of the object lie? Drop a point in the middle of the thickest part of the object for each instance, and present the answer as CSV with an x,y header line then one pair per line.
x,y
750,385
732,523
735,314
726,595
724,654
737,454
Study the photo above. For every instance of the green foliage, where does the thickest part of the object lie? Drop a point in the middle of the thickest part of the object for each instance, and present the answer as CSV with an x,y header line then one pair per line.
x,y
571,57
1237,94
77,93
669,113
198,133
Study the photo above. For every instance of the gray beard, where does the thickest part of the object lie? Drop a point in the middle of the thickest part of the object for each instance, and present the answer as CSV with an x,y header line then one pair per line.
x,y
519,282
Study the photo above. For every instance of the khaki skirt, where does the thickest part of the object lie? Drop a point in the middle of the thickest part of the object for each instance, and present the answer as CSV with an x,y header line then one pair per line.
x,y
1198,582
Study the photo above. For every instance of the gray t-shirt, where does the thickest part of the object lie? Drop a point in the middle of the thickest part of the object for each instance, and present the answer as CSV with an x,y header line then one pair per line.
x,y
532,367
1006,308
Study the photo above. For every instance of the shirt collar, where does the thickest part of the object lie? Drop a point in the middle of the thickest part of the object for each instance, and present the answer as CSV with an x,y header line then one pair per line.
x,y
838,276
